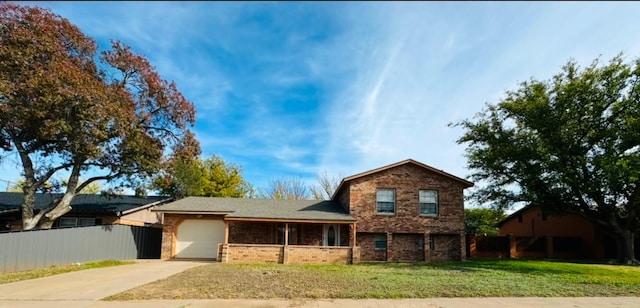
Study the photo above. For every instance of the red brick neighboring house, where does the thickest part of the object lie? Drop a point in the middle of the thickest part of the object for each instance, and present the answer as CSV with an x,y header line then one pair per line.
x,y
536,234
406,211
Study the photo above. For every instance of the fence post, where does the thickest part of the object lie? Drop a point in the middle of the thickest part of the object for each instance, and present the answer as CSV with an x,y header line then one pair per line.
x,y
549,239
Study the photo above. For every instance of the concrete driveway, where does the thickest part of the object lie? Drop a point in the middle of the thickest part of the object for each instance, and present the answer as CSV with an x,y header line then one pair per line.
x,y
93,284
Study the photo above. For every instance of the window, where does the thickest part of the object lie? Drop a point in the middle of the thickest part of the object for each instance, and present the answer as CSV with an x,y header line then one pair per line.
x,y
295,234
432,243
86,221
386,199
67,222
380,242
428,202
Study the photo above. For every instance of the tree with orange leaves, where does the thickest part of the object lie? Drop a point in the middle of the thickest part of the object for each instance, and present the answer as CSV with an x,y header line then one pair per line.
x,y
65,106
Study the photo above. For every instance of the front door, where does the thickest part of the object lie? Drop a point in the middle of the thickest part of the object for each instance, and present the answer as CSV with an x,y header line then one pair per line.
x,y
331,235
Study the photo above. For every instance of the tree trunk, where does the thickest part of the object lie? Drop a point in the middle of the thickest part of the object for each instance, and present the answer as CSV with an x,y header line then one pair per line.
x,y
625,247
61,207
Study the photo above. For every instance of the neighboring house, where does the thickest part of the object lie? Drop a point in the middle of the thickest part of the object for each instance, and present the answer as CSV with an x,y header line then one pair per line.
x,y
405,211
537,234
86,210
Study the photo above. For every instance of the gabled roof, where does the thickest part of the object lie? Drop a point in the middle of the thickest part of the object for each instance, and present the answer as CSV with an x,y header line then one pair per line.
x,y
464,182
259,208
12,201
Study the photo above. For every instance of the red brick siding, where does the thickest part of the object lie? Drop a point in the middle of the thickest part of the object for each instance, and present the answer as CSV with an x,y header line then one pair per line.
x,y
407,180
240,253
311,254
251,233
312,234
367,248
447,247
405,247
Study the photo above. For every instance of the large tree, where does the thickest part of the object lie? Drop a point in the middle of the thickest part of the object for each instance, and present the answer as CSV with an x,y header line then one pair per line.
x,y
66,107
293,188
482,221
571,144
326,186
212,177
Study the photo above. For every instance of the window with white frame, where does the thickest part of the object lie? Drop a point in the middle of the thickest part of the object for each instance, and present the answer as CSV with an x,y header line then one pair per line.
x,y
386,201
428,202
380,242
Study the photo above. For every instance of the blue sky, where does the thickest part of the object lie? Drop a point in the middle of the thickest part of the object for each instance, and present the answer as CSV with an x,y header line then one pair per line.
x,y
293,89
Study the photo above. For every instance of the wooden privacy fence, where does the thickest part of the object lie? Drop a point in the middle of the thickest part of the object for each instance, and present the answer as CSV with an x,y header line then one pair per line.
x,y
510,246
43,248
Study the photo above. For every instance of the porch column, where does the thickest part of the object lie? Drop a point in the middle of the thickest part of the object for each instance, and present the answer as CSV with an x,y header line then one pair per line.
x,y
286,234
352,240
226,232
285,248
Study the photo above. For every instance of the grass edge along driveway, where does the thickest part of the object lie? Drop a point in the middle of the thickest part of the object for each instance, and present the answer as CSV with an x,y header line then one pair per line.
x,y
55,270
472,278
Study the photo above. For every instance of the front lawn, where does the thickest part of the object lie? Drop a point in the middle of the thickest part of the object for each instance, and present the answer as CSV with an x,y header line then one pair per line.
x,y
54,270
473,278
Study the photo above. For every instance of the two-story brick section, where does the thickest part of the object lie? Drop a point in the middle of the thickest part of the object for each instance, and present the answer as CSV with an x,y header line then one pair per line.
x,y
406,211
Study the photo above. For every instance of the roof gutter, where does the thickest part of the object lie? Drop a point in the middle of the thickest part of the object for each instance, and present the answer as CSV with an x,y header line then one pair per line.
x,y
144,206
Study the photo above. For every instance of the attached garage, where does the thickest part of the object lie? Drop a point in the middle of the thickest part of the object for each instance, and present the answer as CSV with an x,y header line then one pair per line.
x,y
199,238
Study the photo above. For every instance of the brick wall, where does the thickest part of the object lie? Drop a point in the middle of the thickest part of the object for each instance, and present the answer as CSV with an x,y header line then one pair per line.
x,y
240,253
407,180
251,233
367,247
312,234
318,254
446,247
407,247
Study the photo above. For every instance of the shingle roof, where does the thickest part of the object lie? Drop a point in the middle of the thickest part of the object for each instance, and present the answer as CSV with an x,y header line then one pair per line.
x,y
10,202
260,208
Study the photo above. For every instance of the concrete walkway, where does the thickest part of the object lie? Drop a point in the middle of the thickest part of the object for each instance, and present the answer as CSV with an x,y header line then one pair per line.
x,y
93,284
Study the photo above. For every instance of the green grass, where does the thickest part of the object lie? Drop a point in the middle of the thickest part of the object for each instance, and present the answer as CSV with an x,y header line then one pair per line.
x,y
473,278
54,270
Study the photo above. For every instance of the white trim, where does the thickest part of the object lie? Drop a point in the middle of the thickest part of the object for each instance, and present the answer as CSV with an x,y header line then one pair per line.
x,y
325,237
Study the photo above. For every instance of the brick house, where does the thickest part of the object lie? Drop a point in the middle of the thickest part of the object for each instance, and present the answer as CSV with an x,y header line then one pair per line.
x,y
406,211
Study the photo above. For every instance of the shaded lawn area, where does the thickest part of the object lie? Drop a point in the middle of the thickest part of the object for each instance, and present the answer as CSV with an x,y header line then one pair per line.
x,y
54,270
473,278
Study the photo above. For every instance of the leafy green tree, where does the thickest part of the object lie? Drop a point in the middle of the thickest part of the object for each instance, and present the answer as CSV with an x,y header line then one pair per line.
x,y
570,144
64,106
482,221
210,178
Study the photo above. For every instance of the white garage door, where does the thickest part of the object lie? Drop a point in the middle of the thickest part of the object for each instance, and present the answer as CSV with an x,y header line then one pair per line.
x,y
199,238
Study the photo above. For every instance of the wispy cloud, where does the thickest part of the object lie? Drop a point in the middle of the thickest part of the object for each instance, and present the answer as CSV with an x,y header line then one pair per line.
x,y
294,89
